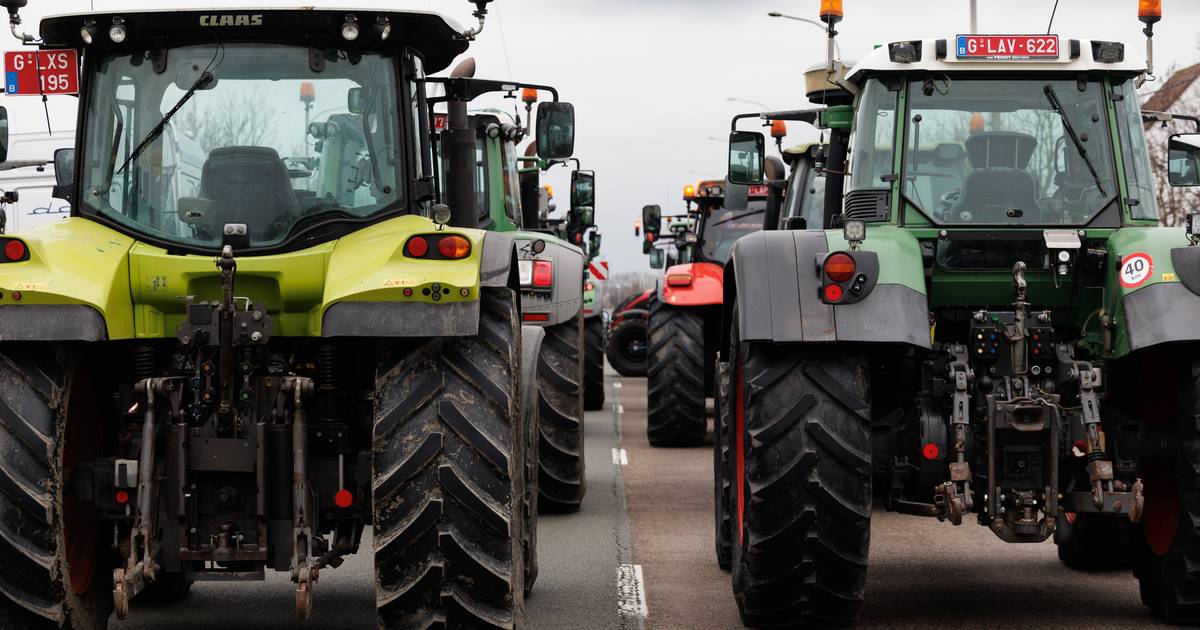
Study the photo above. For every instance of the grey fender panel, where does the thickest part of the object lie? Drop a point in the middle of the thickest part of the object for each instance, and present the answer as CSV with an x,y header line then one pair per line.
x,y
497,261
401,319
52,322
776,282
531,347
777,287
566,298
1161,313
891,313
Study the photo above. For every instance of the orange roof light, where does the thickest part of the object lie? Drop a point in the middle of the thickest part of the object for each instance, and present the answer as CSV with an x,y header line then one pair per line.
x,y
529,95
1150,9
549,190
308,92
978,125
778,129
831,10
689,192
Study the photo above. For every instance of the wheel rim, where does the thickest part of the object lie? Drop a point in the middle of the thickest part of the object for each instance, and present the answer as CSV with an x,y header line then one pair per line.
x,y
81,443
1161,518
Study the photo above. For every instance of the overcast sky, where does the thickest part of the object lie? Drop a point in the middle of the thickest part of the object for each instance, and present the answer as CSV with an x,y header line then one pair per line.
x,y
650,79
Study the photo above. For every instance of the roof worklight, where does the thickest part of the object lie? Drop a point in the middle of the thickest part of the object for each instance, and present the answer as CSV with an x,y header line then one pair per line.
x,y
88,31
350,28
117,32
1150,11
831,11
383,28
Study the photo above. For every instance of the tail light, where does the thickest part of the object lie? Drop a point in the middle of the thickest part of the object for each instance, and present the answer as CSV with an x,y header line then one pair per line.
x,y
15,250
848,277
839,267
438,247
536,275
679,280
454,247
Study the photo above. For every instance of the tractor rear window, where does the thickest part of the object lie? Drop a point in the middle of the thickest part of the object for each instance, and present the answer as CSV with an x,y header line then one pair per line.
x,y
1016,152
723,227
257,137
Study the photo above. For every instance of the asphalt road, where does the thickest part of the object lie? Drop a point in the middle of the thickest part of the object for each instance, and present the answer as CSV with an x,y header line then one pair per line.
x,y
651,517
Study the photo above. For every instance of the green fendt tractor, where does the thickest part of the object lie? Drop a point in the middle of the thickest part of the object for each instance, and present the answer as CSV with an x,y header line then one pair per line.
x,y
990,323
256,336
550,274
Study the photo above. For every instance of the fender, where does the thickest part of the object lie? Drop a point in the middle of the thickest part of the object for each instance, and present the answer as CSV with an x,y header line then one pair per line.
x,y
705,285
773,279
1154,302
565,299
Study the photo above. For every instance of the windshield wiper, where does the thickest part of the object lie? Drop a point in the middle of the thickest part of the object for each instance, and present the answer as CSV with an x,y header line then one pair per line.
x,y
1052,96
205,77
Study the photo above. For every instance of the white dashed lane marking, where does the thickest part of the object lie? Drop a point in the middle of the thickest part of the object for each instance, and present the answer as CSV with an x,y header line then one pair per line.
x,y
620,457
631,591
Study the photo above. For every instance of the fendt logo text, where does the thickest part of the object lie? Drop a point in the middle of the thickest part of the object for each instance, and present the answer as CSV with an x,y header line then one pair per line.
x,y
231,20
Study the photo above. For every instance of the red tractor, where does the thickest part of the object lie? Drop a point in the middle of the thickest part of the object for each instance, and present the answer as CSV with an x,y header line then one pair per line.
x,y
685,318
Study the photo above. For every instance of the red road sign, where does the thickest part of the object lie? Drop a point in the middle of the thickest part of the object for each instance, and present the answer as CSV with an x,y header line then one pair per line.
x,y
58,71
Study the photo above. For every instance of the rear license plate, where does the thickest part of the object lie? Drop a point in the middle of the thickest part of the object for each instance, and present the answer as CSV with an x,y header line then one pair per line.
x,y
1007,47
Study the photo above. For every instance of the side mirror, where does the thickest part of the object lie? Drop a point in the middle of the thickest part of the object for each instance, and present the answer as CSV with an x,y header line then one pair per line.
x,y
64,175
651,222
354,100
555,130
583,189
3,134
594,244
656,259
737,196
747,150
1183,159
64,167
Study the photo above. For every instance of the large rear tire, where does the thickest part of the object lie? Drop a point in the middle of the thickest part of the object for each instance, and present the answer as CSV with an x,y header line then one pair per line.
x,y
1093,541
531,347
56,570
1167,543
560,412
722,466
675,374
449,479
593,363
804,500
626,349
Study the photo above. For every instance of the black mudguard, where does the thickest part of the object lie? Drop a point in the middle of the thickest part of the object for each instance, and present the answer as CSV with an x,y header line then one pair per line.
x,y
52,322
774,280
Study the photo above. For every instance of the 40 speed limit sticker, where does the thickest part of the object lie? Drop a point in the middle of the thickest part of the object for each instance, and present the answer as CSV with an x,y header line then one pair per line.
x,y
1136,270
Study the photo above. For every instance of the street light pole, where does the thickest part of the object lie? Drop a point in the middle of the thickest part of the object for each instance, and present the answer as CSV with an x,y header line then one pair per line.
x,y
763,106
777,14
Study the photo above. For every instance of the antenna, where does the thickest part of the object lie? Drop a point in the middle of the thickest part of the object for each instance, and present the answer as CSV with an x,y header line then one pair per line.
x,y
1052,14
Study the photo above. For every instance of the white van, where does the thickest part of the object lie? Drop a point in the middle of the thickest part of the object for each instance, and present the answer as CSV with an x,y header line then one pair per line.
x,y
34,184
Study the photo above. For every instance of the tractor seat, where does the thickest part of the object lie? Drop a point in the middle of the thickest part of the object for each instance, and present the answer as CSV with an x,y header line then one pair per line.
x,y
990,193
247,185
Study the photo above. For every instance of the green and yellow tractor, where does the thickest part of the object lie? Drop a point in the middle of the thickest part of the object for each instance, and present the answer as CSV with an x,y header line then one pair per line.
x,y
262,331
990,322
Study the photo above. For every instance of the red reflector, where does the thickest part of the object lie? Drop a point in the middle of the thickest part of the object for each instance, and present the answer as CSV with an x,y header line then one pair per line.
x,y
343,499
833,293
16,295
454,247
931,451
543,274
407,292
650,237
417,247
14,250
535,317
122,497
679,280
839,267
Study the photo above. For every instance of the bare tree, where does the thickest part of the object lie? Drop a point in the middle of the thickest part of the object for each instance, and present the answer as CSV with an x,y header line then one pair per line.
x,y
625,284
239,120
1177,94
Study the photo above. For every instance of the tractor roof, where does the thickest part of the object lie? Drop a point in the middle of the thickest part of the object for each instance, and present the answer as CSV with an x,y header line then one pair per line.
x,y
939,55
438,38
